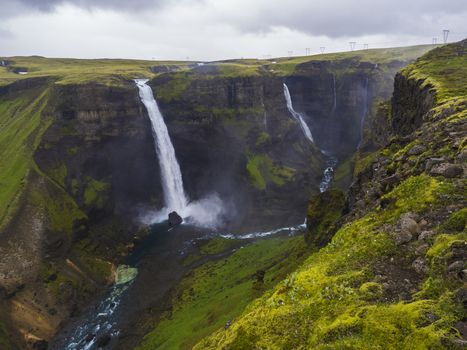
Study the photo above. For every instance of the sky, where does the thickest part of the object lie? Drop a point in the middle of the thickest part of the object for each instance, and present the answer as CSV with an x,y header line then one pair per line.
x,y
206,30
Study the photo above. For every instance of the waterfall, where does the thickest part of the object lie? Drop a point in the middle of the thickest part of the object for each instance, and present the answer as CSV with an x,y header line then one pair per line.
x,y
296,115
172,183
364,111
328,173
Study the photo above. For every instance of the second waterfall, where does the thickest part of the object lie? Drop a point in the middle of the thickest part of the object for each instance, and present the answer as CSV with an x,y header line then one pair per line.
x,y
172,183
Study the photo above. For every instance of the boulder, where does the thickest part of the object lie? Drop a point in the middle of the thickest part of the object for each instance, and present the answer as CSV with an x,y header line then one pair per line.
x,y
426,234
416,150
432,161
174,219
447,170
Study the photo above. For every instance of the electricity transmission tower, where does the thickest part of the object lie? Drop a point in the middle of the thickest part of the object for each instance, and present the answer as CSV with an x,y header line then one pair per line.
x,y
434,41
322,48
445,35
352,45
290,53
307,51
365,46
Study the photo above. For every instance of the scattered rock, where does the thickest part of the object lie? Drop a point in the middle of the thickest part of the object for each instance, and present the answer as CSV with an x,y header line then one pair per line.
x,y
228,324
432,161
174,219
416,150
447,170
426,235
391,180
462,156
403,237
421,250
456,266
419,265
408,228
462,328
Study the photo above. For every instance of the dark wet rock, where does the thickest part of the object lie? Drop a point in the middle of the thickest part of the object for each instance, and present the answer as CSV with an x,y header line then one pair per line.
x,y
433,161
174,219
447,170
103,340
228,324
416,150
391,180
461,326
52,277
89,338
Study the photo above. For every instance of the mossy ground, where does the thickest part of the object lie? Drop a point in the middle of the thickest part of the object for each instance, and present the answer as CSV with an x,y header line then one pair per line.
x,y
21,127
218,291
334,301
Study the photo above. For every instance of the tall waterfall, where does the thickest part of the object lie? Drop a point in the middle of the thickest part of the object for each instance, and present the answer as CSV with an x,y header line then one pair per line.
x,y
364,111
296,115
172,183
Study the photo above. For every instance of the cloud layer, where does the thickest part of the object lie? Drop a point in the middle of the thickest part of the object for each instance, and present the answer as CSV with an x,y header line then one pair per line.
x,y
213,28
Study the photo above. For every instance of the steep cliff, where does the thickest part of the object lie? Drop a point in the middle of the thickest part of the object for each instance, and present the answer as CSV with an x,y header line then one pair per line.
x,y
393,276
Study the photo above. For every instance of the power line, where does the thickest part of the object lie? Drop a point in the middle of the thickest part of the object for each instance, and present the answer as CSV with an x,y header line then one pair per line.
x,y
445,35
322,49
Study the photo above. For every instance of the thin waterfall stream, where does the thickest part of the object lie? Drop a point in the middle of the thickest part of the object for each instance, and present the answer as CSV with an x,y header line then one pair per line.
x,y
331,160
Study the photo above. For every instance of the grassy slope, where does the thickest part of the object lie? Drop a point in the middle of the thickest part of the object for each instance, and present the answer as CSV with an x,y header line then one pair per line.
x,y
71,71
336,300
219,290
21,128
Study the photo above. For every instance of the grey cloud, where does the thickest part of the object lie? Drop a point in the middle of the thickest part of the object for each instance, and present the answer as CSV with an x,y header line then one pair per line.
x,y
346,18
12,8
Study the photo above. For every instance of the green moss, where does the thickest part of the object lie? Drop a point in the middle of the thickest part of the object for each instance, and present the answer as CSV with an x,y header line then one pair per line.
x,y
173,88
371,290
323,212
217,245
95,193
263,170
456,221
361,164
219,290
416,193
21,128
262,139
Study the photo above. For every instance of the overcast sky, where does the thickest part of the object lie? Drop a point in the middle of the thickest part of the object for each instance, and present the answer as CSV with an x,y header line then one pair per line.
x,y
219,29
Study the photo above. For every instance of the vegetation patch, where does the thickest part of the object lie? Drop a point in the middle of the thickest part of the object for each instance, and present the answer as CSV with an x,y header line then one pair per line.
x,y
215,293
262,171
